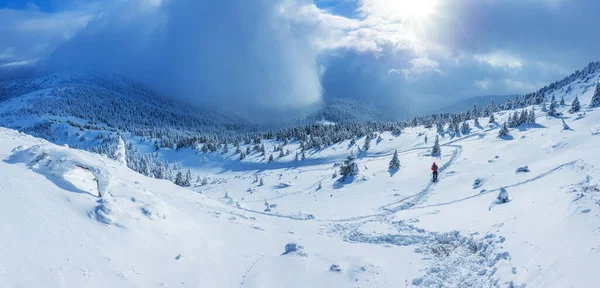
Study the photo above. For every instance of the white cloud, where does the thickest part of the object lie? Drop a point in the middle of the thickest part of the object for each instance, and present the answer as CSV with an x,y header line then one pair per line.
x,y
418,66
500,59
516,86
483,84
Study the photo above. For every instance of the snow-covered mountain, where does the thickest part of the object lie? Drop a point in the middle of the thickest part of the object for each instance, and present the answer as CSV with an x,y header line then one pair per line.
x,y
71,218
346,111
107,100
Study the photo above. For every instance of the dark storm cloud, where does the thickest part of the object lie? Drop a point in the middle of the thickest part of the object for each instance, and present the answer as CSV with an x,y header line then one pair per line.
x,y
243,56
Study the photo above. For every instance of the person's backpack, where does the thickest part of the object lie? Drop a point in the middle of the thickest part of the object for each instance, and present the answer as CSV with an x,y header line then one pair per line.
x,y
434,167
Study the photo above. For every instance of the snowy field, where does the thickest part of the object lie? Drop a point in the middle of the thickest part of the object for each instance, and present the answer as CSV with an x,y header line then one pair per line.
x,y
70,218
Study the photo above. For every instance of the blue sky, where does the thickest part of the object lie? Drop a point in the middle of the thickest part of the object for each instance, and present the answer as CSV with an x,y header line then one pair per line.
x,y
281,56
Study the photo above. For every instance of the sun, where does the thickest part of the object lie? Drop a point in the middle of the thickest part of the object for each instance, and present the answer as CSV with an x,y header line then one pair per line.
x,y
404,10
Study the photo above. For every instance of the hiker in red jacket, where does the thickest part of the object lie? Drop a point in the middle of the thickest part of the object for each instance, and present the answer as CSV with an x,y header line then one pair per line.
x,y
434,169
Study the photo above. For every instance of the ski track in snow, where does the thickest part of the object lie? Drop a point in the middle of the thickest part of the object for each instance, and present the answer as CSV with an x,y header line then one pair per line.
x,y
245,274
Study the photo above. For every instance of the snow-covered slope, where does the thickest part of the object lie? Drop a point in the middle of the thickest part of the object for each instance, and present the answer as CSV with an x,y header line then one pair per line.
x,y
106,100
70,218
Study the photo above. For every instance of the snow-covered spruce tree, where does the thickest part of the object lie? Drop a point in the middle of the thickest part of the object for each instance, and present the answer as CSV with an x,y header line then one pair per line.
x,y
562,100
436,150
271,159
492,118
296,157
281,154
179,179
349,168
523,117
531,117
456,129
474,112
242,155
120,154
395,162
303,155
248,151
261,182
187,180
238,150
225,149
596,98
426,139
503,131
476,123
575,106
367,144
465,128
515,119
552,111
544,108
439,127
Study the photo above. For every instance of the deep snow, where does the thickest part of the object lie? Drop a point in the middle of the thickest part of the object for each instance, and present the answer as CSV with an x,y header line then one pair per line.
x,y
70,218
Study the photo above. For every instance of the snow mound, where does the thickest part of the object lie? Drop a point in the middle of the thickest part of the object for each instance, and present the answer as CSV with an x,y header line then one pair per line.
x,y
65,169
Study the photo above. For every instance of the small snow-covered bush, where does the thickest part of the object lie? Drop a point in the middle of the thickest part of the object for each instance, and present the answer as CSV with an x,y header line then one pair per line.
x,y
294,248
335,268
502,196
523,169
477,183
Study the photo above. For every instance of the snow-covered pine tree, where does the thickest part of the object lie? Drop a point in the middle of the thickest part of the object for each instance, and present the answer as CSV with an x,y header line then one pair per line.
x,y
575,106
204,181
503,131
367,144
119,153
261,182
523,117
474,112
248,151
456,129
281,154
596,98
552,111
562,100
436,150
439,127
477,122
303,155
395,162
225,148
426,139
349,168
204,148
179,179
531,118
187,180
238,150
492,118
271,159
242,155
296,157
465,128
544,108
